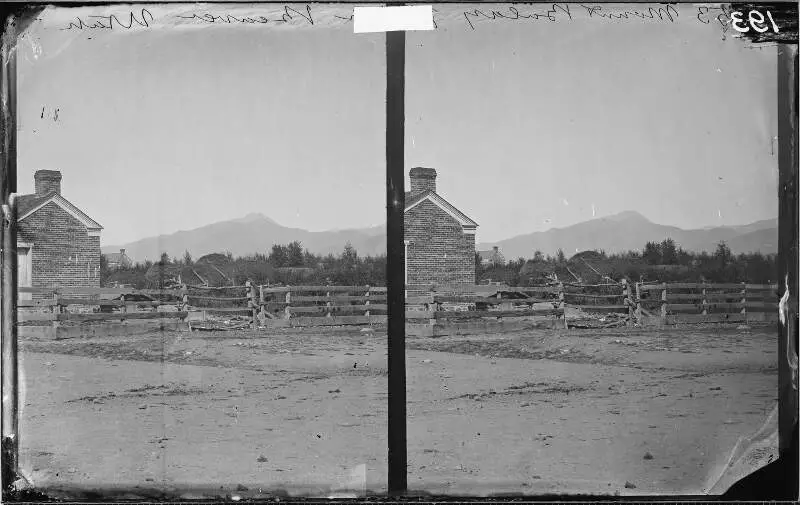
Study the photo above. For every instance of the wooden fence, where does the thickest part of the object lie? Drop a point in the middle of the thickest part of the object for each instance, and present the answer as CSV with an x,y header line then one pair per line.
x,y
704,302
72,310
317,305
637,303
265,306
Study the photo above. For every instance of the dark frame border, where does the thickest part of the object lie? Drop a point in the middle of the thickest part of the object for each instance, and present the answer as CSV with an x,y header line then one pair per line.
x,y
16,16
395,259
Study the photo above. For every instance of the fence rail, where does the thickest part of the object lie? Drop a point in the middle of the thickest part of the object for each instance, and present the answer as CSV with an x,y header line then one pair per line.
x,y
638,303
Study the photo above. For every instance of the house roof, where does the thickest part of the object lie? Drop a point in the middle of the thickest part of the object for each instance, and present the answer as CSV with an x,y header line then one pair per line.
x,y
116,257
29,204
413,201
490,254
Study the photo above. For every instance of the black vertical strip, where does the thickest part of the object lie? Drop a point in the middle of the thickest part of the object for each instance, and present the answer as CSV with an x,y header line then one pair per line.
x,y
8,301
9,336
788,256
395,258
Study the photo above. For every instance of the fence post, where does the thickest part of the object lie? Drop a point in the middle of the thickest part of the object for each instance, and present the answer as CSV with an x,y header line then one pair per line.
x,y
328,304
252,294
663,303
262,303
744,301
249,302
562,304
626,292
185,299
56,311
124,305
287,313
705,302
639,302
433,308
367,302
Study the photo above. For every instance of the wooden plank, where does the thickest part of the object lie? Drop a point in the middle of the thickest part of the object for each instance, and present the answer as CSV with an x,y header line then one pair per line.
x,y
24,317
168,292
707,286
282,289
98,291
689,285
476,314
600,308
333,309
532,289
277,303
762,306
223,310
710,297
213,288
112,303
762,287
572,284
120,316
300,322
652,287
687,296
690,308
49,302
420,314
493,300
418,300
721,306
707,318
339,298
38,291
567,294
301,289
219,298
480,289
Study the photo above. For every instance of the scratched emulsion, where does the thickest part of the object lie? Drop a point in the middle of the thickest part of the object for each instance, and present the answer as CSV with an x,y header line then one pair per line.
x,y
579,137
615,119
261,125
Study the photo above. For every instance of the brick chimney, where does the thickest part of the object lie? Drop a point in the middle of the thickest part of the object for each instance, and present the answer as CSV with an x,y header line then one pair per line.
x,y
122,252
422,179
47,181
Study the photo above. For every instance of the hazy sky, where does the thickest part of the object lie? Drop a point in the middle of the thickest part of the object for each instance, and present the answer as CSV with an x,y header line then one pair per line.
x,y
530,124
167,129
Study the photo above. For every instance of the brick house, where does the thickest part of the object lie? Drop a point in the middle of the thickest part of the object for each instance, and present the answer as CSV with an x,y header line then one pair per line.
x,y
492,257
118,260
439,238
58,244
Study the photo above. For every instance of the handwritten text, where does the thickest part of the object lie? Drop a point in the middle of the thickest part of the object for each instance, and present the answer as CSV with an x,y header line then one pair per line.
x,y
287,15
127,22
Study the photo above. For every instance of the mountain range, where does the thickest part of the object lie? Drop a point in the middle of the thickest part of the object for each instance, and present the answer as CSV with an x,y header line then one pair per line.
x,y
620,232
630,230
251,234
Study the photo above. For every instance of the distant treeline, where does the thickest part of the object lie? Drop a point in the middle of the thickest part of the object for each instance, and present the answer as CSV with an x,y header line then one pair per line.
x,y
657,261
295,265
284,264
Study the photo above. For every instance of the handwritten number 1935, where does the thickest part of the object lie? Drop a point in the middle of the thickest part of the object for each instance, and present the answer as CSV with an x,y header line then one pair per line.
x,y
755,19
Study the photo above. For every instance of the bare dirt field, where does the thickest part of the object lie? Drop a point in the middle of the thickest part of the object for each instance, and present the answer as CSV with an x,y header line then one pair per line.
x,y
541,411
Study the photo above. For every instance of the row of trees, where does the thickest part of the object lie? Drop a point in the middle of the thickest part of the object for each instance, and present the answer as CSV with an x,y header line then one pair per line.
x,y
293,264
285,264
657,261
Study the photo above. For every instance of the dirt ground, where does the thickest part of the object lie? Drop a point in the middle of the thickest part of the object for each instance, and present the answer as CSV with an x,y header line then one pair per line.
x,y
249,413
